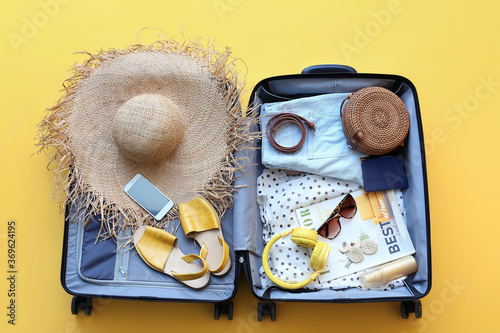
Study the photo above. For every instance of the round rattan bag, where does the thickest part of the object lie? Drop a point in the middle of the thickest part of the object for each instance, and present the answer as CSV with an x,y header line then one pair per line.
x,y
375,121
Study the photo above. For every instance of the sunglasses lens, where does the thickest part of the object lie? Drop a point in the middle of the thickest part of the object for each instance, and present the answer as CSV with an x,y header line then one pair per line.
x,y
348,208
330,229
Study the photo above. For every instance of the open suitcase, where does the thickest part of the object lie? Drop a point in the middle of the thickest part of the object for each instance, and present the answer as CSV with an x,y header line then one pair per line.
x,y
107,270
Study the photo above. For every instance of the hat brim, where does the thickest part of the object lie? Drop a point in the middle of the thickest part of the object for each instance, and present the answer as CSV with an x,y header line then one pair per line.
x,y
200,80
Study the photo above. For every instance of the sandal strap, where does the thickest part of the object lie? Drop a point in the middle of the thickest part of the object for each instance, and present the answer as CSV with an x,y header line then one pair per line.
x,y
155,247
192,276
197,215
204,252
225,256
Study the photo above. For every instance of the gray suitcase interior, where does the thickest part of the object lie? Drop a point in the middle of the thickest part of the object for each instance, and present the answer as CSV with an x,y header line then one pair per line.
x,y
248,227
108,269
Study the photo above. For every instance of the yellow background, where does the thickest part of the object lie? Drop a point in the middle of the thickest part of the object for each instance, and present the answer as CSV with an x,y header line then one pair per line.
x,y
448,49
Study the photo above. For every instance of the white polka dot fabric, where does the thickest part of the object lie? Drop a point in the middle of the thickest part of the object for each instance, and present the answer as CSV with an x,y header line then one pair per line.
x,y
278,196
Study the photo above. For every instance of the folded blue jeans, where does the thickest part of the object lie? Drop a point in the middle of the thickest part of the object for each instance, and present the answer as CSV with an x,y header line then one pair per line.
x,y
325,151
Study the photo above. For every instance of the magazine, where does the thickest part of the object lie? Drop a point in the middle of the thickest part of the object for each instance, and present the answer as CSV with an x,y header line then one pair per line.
x,y
378,218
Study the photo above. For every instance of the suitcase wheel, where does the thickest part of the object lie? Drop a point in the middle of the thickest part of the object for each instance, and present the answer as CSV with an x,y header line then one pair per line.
x,y
408,307
223,308
79,302
266,309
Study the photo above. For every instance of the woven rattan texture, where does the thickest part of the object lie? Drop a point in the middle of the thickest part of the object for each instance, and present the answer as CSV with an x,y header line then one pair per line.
x,y
381,115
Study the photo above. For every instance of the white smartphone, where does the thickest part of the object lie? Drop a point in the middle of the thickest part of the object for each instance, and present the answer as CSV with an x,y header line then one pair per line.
x,y
148,196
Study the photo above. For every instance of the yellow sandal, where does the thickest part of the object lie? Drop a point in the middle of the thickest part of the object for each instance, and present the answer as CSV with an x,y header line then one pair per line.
x,y
159,250
200,221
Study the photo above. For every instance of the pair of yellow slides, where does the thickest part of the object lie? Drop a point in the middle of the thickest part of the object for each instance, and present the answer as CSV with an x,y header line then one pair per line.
x,y
159,249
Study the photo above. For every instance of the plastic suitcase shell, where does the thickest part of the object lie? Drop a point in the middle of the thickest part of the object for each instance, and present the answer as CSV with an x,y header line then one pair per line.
x,y
105,270
323,79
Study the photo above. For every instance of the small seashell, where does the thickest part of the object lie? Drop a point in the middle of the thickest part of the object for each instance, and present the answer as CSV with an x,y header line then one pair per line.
x,y
345,247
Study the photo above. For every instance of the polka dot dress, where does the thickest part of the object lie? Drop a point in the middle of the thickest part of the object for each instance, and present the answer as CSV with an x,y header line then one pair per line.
x,y
278,196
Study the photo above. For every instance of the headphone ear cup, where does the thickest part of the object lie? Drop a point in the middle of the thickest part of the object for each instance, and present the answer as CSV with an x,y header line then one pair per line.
x,y
319,255
304,237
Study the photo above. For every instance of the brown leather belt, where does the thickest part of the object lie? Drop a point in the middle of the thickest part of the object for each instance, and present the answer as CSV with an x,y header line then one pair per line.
x,y
280,119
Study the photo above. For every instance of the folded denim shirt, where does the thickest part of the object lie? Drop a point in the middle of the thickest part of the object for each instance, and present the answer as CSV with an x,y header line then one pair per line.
x,y
325,151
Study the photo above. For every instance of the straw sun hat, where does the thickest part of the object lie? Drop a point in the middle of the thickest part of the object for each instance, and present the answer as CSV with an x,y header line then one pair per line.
x,y
168,111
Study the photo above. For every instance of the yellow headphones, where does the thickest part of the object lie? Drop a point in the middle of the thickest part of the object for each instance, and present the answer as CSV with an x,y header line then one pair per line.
x,y
303,237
